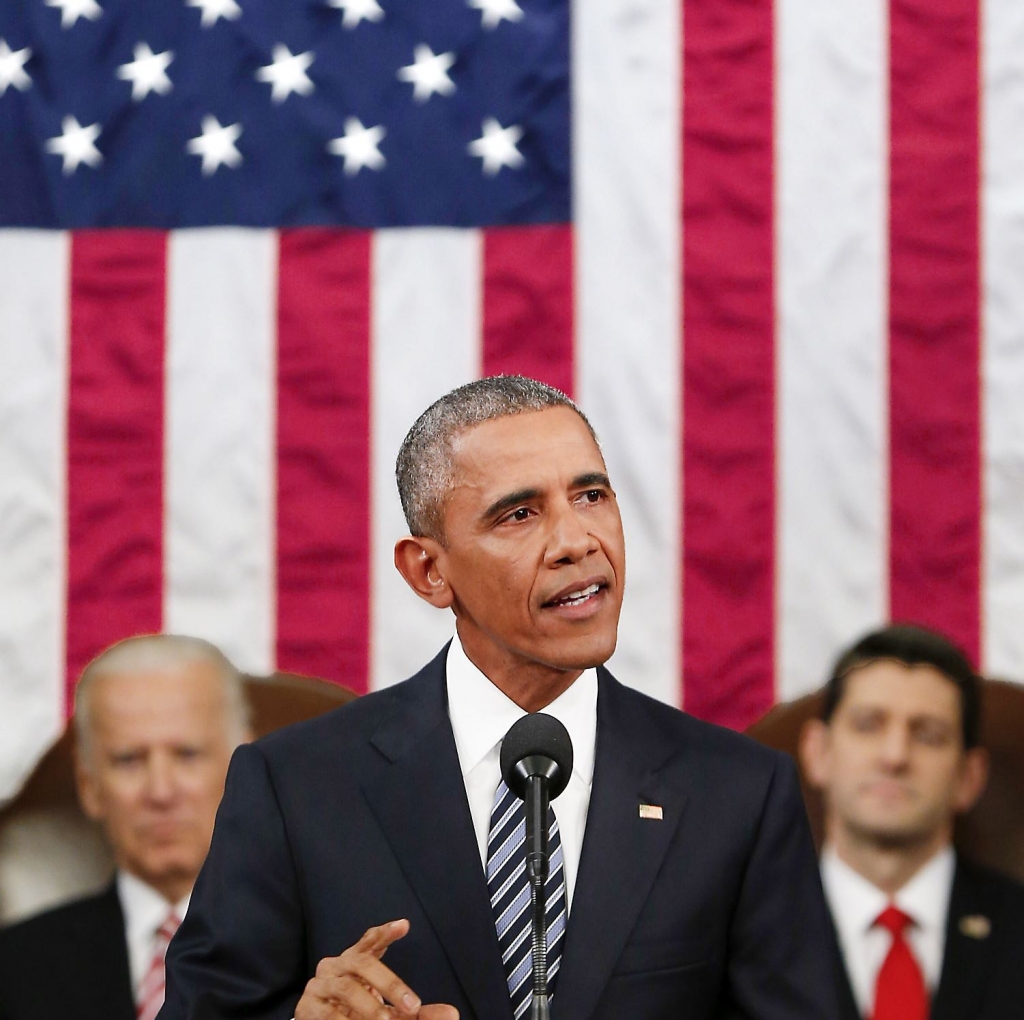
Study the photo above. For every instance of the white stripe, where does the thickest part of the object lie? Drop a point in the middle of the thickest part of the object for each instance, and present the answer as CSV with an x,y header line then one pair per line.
x,y
514,876
831,392
506,921
1003,336
34,269
426,340
522,1007
558,923
512,951
515,839
626,89
496,827
221,363
523,970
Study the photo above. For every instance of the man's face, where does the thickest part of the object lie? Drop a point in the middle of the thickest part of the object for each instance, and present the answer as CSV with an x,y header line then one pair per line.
x,y
533,553
154,772
891,763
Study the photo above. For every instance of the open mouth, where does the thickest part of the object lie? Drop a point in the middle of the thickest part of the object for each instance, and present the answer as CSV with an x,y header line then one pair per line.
x,y
578,597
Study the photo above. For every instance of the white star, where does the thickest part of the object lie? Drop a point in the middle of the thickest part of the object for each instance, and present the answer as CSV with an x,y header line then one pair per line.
x,y
147,72
359,146
428,73
72,10
497,146
356,10
75,145
493,11
287,74
12,68
214,9
216,145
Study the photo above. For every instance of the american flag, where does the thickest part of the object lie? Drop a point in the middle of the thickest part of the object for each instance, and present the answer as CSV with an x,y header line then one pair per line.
x,y
774,249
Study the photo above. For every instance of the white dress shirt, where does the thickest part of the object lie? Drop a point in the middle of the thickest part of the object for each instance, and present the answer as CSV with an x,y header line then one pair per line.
x,y
145,910
856,903
481,716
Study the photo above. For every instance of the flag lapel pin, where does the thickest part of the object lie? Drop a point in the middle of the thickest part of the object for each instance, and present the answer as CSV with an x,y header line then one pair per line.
x,y
652,811
975,926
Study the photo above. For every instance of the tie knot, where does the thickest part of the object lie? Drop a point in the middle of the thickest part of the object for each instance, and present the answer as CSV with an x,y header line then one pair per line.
x,y
170,925
894,920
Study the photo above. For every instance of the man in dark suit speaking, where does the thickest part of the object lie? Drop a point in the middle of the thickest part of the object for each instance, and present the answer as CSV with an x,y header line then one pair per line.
x,y
356,858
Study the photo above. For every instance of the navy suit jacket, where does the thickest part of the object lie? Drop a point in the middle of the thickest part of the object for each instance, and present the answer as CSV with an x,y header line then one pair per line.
x,y
983,963
361,816
68,962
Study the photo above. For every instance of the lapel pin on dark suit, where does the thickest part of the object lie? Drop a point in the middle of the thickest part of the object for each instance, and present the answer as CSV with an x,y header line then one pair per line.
x,y
652,811
975,926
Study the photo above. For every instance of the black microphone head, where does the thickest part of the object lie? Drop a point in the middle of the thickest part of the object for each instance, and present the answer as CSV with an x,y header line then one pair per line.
x,y
537,744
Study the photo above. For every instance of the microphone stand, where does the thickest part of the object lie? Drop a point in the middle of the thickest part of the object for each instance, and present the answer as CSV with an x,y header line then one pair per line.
x,y
537,872
536,763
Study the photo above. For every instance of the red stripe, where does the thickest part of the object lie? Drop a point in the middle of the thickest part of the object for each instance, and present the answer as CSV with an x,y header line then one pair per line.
x,y
323,440
935,425
728,362
115,441
528,303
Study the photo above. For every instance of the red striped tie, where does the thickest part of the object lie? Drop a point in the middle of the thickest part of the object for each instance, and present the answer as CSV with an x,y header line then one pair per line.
x,y
151,991
900,993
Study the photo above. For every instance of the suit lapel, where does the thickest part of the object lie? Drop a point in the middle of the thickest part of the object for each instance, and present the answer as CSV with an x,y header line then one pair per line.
x,y
622,851
968,954
98,943
420,802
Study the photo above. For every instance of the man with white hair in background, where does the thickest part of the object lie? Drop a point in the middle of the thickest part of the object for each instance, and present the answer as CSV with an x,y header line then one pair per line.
x,y
156,720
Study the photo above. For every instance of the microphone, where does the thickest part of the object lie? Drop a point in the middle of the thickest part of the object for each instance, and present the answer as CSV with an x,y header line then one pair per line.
x,y
536,763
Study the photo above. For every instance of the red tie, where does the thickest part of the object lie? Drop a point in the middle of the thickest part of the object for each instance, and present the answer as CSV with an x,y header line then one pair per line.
x,y
151,991
900,993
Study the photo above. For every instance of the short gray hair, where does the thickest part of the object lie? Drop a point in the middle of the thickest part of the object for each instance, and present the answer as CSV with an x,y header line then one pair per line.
x,y
158,652
424,468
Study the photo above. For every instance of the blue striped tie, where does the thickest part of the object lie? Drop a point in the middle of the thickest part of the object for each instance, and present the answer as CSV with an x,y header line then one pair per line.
x,y
510,896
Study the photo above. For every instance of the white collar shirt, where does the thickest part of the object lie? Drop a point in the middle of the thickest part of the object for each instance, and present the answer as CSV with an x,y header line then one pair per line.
x,y
145,910
481,715
856,903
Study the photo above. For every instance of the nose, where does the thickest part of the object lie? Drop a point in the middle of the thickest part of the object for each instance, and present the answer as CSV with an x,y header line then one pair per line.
x,y
896,747
161,783
570,539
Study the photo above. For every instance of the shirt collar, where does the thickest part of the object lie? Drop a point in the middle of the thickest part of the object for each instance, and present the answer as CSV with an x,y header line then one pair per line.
x,y
858,902
925,897
143,907
481,714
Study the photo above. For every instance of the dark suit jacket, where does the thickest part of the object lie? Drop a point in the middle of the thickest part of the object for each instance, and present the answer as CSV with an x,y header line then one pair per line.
x,y
983,966
360,817
68,962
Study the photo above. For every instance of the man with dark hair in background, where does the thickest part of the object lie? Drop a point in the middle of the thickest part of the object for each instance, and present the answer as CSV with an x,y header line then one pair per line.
x,y
380,828
156,719
921,931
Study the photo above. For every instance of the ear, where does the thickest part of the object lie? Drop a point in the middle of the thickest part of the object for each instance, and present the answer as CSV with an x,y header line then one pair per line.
x,y
417,560
973,777
813,751
88,790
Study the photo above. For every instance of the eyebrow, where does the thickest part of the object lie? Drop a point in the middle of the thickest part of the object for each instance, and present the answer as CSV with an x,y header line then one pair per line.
x,y
590,480
507,502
